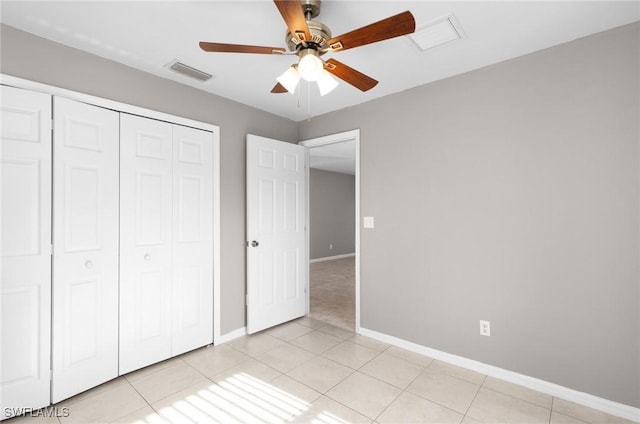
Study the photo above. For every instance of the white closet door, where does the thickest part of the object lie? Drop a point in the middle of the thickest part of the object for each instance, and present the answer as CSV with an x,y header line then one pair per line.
x,y
145,242
85,260
25,249
192,239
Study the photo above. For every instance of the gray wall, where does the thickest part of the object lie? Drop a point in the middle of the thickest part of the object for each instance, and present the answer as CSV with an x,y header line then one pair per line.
x,y
332,201
510,194
37,59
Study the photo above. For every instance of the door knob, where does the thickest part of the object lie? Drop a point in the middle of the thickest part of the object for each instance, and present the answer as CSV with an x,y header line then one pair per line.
x,y
254,243
88,264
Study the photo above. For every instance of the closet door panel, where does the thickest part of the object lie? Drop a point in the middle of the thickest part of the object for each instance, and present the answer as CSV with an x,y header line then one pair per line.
x,y
145,242
192,239
25,249
85,261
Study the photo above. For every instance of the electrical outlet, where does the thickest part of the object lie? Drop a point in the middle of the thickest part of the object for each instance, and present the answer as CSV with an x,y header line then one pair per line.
x,y
485,328
368,222
330,246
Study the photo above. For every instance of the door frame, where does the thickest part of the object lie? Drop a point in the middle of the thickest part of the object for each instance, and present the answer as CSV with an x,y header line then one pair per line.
x,y
352,135
161,116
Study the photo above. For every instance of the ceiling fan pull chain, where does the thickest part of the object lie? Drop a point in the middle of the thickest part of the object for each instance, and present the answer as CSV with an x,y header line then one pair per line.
x,y
308,102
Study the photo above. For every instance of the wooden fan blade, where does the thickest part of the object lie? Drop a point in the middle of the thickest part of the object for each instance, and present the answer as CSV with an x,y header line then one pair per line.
x,y
279,88
239,48
350,75
394,26
291,11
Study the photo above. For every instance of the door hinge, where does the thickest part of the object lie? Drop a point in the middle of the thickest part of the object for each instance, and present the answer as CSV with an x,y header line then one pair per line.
x,y
51,249
246,299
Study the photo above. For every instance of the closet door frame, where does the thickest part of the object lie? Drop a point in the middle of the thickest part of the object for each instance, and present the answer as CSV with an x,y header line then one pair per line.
x,y
148,113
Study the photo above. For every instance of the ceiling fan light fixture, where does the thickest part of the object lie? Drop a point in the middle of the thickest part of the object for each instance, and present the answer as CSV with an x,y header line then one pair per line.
x,y
310,65
290,79
326,83
309,39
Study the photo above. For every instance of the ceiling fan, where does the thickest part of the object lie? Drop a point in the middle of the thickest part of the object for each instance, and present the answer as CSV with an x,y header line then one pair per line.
x,y
309,39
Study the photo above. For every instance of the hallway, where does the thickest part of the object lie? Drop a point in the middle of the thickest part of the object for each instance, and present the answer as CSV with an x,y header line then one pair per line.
x,y
333,292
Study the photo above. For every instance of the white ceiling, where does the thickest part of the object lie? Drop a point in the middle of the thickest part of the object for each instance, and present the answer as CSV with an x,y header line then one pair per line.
x,y
148,34
336,157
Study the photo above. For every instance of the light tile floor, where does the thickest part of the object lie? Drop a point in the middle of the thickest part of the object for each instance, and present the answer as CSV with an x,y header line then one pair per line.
x,y
307,371
333,292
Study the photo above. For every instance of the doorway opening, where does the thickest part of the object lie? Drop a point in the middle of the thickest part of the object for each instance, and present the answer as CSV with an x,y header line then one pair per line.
x,y
334,233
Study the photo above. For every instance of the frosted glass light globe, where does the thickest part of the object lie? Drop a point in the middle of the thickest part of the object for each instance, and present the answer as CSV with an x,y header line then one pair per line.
x,y
310,66
326,83
289,79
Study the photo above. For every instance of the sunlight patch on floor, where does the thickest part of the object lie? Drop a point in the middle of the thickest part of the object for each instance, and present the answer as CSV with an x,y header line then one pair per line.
x,y
240,398
325,417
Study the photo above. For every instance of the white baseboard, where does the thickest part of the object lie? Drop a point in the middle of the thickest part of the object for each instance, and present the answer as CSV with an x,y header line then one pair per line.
x,y
224,338
330,258
591,401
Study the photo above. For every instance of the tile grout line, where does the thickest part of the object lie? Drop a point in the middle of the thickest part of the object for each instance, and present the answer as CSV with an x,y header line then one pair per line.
x,y
474,398
404,390
355,369
553,401
188,364
139,394
375,378
179,390
284,342
516,397
321,355
317,355
174,358
310,359
213,383
438,403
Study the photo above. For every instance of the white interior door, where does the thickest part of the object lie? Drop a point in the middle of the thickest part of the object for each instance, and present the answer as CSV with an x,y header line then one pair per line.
x,y
277,276
85,236
145,241
192,280
25,249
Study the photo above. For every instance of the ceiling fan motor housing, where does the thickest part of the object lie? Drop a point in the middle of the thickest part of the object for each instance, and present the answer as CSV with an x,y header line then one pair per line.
x,y
320,33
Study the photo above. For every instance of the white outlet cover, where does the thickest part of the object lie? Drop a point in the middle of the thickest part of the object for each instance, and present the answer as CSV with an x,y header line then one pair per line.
x,y
485,328
367,222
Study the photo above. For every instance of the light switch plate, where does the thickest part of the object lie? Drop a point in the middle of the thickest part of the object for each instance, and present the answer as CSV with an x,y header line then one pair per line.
x,y
367,222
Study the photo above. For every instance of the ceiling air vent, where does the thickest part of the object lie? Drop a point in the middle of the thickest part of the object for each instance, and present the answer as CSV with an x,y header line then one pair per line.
x,y
437,32
179,67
